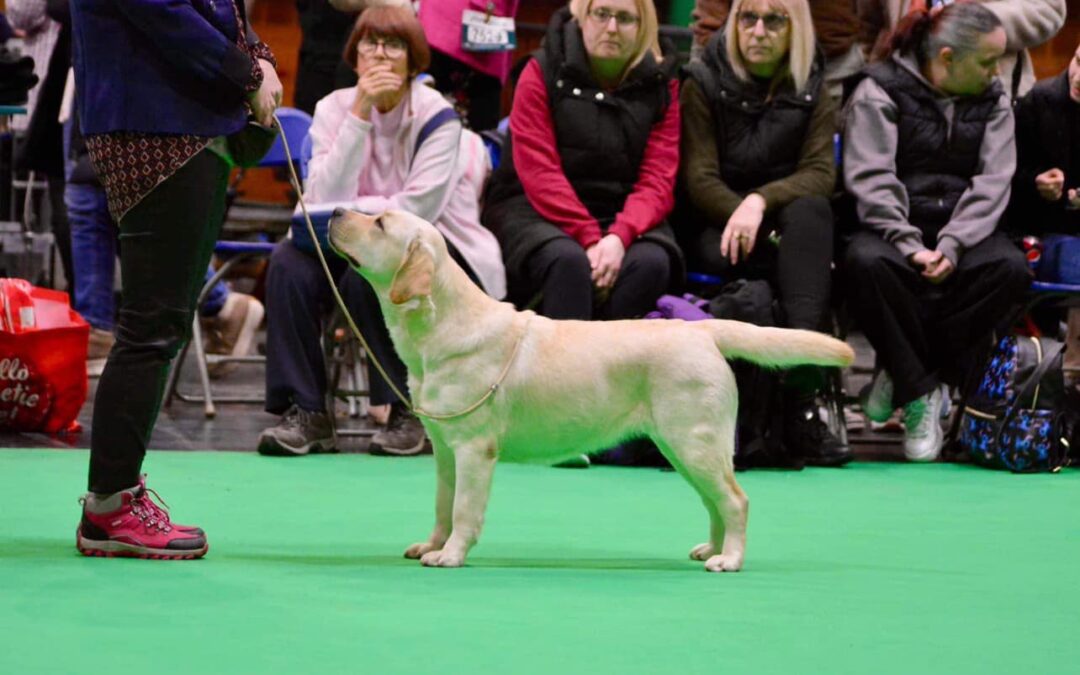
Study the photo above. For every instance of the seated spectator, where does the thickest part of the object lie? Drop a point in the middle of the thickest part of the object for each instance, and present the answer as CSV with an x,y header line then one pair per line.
x,y
1046,190
366,155
928,156
757,161
580,201
1027,24
837,28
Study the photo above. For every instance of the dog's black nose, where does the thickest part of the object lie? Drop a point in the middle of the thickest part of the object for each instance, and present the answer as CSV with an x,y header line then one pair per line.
x,y
339,212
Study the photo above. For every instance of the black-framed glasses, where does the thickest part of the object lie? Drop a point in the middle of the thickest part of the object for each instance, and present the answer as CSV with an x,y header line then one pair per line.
x,y
774,21
602,15
393,47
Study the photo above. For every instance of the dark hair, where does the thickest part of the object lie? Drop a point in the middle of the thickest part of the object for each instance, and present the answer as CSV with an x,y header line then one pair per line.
x,y
399,22
959,26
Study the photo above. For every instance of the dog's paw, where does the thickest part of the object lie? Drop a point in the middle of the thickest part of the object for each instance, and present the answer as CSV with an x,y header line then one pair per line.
x,y
702,551
723,563
420,548
442,558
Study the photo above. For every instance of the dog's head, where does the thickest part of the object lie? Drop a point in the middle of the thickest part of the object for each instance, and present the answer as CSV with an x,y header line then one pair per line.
x,y
395,251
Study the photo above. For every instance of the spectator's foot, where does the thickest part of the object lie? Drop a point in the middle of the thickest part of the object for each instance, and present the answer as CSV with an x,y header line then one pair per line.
x,y
806,435
300,432
923,435
97,350
232,331
876,397
403,434
130,524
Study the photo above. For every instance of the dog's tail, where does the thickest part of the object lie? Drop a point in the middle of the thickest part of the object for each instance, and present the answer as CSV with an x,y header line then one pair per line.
x,y
778,347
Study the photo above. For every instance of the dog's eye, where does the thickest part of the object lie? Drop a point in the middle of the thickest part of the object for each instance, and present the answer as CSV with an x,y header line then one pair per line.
x,y
378,224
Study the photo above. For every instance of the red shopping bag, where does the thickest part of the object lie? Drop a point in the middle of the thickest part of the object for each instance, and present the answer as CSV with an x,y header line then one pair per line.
x,y
42,359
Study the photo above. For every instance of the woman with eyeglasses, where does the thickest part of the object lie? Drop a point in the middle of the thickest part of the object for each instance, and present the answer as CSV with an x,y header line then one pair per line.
x,y
580,201
387,143
757,161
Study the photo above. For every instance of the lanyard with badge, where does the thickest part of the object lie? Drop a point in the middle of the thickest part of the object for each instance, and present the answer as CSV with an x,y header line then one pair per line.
x,y
486,31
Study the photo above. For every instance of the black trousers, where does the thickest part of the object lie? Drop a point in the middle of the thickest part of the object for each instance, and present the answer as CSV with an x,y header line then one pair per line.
x,y
800,268
477,93
560,270
298,298
166,243
924,333
317,76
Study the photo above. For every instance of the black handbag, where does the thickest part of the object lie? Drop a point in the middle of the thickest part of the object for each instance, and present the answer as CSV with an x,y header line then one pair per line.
x,y
248,146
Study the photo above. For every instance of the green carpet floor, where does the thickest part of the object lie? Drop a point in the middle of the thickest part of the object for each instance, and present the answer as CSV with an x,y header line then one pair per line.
x,y
876,568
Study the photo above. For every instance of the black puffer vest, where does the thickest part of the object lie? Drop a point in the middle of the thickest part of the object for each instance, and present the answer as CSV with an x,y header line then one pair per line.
x,y
759,139
934,162
601,136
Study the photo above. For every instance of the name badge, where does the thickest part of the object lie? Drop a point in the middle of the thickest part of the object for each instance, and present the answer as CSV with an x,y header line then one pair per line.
x,y
484,32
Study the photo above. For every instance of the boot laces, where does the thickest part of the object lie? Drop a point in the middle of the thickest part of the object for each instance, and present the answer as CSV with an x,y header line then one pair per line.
x,y
296,418
152,515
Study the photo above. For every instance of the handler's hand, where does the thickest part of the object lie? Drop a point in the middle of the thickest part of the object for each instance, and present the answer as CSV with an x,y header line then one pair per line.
x,y
266,99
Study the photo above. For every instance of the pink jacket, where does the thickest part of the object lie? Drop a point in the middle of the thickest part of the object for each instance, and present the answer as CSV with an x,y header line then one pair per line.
x,y
373,166
441,20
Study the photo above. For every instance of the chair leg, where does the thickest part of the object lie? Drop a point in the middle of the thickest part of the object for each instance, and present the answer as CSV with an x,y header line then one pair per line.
x,y
357,402
204,374
174,376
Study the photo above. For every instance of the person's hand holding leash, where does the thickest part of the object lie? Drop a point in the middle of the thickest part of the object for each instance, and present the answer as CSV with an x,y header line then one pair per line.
x,y
742,228
266,99
606,258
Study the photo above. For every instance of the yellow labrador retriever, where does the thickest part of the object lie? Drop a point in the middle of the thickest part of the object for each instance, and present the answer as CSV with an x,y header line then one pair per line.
x,y
566,387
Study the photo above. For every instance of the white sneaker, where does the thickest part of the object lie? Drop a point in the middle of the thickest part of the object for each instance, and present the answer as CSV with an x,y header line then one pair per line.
x,y
923,435
877,397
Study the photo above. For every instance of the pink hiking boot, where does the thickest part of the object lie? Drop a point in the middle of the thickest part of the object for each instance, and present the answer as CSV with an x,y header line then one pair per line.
x,y
130,524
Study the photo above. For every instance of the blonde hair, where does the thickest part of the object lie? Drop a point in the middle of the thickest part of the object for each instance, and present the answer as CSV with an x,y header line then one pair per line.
x,y
802,47
648,37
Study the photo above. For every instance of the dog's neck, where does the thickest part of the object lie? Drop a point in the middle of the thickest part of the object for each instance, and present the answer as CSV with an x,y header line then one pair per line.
x,y
428,331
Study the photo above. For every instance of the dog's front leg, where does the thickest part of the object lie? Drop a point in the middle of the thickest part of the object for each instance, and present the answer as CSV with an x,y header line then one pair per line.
x,y
474,465
444,501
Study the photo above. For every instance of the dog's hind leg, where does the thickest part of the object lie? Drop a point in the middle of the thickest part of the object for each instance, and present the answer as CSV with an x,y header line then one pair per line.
x,y
474,464
444,500
702,453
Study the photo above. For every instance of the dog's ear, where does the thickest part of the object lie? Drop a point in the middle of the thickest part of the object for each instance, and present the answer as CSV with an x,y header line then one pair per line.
x,y
415,275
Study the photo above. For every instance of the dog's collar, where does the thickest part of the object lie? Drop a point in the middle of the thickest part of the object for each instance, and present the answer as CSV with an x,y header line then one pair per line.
x,y
419,412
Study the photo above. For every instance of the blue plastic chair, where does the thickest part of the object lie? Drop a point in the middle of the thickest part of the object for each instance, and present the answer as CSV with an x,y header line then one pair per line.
x,y
305,156
296,124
